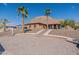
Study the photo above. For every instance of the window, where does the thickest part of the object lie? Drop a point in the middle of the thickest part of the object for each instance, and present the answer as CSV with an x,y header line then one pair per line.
x,y
34,25
29,26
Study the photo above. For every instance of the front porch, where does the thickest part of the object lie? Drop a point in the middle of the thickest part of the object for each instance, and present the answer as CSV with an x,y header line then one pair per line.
x,y
54,26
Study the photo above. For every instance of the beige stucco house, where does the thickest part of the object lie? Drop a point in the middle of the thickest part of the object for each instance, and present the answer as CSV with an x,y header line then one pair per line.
x,y
41,22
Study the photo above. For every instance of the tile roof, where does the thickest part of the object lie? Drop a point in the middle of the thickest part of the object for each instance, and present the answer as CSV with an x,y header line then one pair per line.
x,y
43,19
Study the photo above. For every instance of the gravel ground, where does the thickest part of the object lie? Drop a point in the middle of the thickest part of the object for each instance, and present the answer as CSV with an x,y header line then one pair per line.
x,y
33,31
23,44
64,32
6,33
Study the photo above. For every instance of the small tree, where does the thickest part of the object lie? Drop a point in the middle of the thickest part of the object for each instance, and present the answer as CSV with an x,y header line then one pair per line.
x,y
3,22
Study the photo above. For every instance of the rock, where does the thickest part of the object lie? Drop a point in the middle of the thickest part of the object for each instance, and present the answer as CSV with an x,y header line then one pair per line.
x,y
1,49
77,46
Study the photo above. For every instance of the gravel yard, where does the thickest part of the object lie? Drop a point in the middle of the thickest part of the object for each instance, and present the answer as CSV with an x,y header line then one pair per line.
x,y
67,33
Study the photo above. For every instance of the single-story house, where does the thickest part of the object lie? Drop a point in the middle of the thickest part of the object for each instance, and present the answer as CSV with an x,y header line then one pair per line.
x,y
41,22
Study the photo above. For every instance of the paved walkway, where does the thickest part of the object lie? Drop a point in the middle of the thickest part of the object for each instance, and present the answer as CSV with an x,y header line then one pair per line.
x,y
47,32
44,31
41,31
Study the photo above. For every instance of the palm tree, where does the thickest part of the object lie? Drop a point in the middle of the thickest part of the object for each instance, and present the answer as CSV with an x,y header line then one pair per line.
x,y
24,13
3,22
47,13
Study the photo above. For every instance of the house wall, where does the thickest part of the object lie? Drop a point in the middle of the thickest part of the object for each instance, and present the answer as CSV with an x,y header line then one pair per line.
x,y
35,26
41,26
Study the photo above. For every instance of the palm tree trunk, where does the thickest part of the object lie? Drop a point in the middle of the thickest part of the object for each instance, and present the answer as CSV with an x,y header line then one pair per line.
x,y
22,23
47,21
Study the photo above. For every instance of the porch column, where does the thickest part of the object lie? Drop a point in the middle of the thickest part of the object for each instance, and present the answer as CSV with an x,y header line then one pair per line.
x,y
52,26
59,26
56,26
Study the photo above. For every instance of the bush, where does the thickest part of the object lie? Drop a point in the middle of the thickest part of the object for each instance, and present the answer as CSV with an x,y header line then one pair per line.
x,y
67,22
76,27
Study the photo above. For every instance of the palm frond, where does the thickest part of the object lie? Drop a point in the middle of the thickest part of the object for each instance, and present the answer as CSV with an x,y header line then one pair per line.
x,y
23,11
26,12
47,11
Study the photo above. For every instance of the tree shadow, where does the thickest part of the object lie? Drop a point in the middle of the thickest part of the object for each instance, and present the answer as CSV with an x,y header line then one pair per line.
x,y
1,49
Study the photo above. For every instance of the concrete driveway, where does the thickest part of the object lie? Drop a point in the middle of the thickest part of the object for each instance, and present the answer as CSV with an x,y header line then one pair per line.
x,y
26,44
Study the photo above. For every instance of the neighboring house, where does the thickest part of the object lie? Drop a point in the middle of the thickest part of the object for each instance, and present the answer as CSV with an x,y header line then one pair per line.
x,y
10,27
41,23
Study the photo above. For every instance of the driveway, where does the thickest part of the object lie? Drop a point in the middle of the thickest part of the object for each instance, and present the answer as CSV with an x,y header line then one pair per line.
x,y
23,44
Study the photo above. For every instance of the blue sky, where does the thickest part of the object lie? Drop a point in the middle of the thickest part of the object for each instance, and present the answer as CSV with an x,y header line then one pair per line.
x,y
59,11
